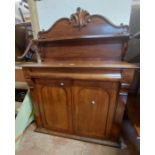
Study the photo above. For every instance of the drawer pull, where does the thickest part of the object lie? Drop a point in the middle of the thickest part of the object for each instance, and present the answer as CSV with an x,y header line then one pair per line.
x,y
93,102
61,84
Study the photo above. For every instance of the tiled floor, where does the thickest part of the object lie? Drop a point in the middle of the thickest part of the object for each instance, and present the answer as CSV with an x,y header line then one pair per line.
x,y
34,143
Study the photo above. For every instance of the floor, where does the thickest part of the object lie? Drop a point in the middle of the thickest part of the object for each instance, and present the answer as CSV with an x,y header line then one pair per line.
x,y
34,143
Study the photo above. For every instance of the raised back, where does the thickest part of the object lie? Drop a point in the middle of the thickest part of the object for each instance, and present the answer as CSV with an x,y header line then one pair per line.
x,y
83,37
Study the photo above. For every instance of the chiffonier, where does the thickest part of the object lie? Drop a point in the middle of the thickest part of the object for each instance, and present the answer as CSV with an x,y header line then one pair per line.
x,y
79,84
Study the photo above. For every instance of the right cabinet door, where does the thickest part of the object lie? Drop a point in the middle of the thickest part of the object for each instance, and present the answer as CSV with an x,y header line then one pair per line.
x,y
93,108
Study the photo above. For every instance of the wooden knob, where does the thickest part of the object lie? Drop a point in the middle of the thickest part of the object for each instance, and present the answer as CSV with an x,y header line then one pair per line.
x,y
61,84
93,102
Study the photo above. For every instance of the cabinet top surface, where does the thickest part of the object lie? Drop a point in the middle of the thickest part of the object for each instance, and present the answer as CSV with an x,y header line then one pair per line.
x,y
80,64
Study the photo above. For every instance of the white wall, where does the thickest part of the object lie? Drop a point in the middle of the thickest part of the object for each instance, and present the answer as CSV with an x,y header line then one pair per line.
x,y
25,11
118,11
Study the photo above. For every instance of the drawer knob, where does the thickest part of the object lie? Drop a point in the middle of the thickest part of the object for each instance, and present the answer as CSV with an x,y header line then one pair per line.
x,y
61,84
93,102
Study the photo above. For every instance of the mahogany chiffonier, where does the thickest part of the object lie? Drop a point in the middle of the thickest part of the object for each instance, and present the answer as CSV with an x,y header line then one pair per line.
x,y
79,84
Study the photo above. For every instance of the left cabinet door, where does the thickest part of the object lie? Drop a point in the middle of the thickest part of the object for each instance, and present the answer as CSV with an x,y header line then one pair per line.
x,y
54,100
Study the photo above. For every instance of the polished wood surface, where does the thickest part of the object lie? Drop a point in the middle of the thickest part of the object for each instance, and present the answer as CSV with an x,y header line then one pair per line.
x,y
72,38
19,75
97,25
92,103
80,84
55,104
81,64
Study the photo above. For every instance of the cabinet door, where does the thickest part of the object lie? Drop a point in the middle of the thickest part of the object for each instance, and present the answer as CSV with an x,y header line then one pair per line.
x,y
94,106
55,104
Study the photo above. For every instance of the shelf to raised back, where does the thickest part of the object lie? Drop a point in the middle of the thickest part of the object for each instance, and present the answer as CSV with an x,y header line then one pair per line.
x,y
83,37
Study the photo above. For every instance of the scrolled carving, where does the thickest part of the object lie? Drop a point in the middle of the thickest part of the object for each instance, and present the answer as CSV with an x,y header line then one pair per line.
x,y
80,19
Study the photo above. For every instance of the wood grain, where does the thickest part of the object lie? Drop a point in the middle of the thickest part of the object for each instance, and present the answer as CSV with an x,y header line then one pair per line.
x,y
80,87
55,102
91,107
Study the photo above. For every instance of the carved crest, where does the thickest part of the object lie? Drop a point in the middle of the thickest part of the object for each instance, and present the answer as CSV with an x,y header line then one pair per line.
x,y
80,19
